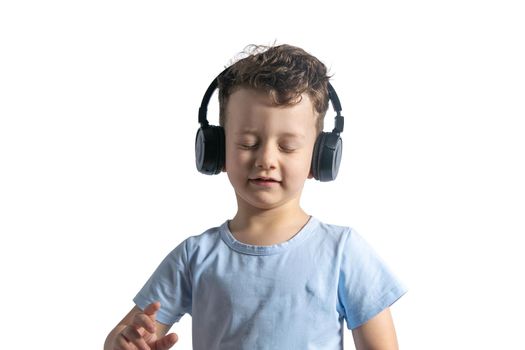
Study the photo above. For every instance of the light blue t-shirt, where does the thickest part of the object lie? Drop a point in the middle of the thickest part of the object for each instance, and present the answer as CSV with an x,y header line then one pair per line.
x,y
291,295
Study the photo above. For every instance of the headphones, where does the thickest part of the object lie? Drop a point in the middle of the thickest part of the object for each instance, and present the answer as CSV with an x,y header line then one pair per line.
x,y
210,141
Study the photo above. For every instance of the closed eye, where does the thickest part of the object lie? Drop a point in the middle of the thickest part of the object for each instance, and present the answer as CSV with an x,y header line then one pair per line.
x,y
287,149
253,146
246,146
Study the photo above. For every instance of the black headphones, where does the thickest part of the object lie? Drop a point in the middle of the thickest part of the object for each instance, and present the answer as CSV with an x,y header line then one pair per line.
x,y
210,142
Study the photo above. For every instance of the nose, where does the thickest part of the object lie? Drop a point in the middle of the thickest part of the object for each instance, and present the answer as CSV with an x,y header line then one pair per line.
x,y
266,156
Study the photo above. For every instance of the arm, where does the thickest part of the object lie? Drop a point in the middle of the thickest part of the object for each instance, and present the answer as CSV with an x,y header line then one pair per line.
x,y
378,333
139,329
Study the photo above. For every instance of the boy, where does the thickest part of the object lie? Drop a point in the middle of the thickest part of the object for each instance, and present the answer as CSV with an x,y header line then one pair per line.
x,y
273,277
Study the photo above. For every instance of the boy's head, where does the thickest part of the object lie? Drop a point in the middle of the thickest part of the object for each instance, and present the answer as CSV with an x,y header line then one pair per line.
x,y
282,72
275,80
272,106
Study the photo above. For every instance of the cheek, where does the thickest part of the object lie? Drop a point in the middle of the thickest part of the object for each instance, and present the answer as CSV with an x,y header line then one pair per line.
x,y
237,163
237,157
229,154
299,166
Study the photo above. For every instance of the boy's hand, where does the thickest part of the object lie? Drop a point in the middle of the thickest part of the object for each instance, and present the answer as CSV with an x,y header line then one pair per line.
x,y
141,334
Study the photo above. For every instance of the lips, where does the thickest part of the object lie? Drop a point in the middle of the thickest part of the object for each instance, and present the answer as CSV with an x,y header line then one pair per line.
x,y
263,178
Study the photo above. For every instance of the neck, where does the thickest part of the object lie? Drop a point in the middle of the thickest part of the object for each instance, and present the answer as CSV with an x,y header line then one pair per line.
x,y
266,227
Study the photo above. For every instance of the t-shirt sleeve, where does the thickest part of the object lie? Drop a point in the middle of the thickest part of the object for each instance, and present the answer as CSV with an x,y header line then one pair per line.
x,y
366,284
170,284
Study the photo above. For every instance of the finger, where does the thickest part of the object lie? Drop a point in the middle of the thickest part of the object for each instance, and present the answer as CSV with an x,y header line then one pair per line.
x,y
134,337
167,341
143,321
152,308
122,343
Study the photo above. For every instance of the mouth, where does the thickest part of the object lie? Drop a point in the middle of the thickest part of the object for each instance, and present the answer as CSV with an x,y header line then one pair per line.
x,y
264,181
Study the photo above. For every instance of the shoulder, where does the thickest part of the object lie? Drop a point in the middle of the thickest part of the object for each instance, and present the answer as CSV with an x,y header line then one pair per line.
x,y
336,232
338,239
348,234
346,241
196,245
205,240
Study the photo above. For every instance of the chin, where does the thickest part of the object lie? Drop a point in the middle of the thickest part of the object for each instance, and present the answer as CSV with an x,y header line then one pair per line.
x,y
267,204
258,203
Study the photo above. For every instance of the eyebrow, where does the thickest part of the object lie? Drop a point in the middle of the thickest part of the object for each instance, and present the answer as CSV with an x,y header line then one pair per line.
x,y
285,134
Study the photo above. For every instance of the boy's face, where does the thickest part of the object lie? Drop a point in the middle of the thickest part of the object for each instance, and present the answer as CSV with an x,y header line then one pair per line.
x,y
263,140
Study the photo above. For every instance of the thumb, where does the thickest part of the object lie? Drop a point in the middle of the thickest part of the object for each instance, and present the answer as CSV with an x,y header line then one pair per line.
x,y
152,308
166,342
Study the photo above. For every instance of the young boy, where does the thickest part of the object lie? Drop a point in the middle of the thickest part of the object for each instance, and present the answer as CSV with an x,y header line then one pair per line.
x,y
273,277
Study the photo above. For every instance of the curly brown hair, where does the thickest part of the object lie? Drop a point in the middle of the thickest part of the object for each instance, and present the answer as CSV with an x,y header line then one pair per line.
x,y
284,72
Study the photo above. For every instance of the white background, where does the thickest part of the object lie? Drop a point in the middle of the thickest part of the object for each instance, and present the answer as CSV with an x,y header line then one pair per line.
x,y
98,106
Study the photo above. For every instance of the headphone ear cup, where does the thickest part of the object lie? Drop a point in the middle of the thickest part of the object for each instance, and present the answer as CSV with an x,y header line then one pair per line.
x,y
326,156
210,149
